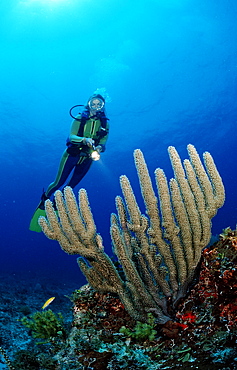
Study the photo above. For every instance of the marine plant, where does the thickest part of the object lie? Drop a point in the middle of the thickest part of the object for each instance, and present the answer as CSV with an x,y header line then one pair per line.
x,y
46,325
142,331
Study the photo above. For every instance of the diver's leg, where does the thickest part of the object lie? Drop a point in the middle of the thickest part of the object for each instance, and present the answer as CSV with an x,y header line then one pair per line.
x,y
80,171
66,165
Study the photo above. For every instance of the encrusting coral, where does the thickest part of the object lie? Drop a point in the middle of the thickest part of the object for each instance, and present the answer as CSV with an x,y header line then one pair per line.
x,y
159,253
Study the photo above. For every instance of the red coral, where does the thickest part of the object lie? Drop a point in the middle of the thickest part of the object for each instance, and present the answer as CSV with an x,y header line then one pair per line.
x,y
187,317
217,286
229,313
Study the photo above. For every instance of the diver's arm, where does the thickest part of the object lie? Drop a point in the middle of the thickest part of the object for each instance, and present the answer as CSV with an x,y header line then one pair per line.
x,y
73,137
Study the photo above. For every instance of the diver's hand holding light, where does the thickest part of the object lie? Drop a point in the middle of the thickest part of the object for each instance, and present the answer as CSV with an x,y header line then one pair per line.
x,y
95,155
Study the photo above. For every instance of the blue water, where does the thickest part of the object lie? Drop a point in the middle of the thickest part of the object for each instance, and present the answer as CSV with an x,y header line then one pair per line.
x,y
170,70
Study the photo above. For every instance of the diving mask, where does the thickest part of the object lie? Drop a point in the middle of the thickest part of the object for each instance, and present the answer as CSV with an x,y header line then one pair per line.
x,y
96,104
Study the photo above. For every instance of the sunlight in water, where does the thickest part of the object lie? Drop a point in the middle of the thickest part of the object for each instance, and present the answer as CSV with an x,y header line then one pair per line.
x,y
45,3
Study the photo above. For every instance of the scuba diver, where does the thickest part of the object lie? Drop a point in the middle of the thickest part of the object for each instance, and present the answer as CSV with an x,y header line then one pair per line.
x,y
87,139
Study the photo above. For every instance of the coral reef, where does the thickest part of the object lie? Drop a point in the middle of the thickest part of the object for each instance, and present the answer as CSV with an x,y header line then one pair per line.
x,y
217,286
159,253
202,335
103,336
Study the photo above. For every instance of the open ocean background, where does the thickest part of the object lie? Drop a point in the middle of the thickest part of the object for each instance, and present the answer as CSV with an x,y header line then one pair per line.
x,y
170,70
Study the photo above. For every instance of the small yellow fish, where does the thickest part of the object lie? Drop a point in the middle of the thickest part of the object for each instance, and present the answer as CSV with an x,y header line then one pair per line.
x,y
48,302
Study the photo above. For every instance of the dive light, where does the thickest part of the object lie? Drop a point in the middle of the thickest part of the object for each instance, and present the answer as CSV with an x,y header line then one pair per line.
x,y
95,156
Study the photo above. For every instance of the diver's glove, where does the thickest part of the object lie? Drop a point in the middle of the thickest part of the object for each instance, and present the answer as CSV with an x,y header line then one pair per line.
x,y
88,141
